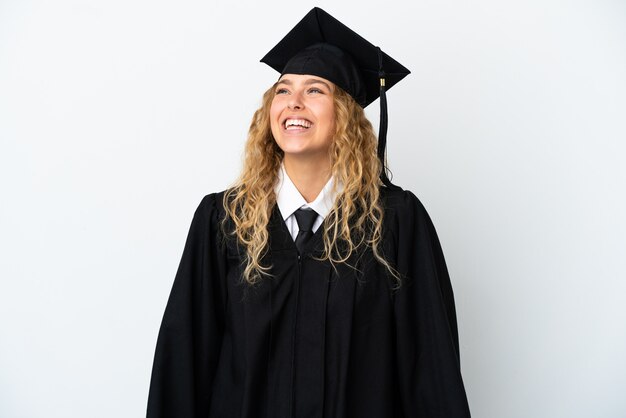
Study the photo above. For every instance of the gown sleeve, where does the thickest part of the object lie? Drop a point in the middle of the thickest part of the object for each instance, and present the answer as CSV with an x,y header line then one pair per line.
x,y
427,346
190,336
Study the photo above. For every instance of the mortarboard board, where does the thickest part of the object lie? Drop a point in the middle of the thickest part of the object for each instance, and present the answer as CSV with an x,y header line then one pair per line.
x,y
323,46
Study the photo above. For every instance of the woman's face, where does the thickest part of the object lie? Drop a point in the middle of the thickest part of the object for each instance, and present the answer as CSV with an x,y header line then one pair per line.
x,y
302,116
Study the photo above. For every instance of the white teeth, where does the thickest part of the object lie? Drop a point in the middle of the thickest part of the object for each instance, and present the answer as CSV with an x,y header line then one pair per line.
x,y
297,122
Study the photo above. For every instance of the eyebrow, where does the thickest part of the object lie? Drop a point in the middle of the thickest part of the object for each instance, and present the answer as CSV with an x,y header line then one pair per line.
x,y
308,82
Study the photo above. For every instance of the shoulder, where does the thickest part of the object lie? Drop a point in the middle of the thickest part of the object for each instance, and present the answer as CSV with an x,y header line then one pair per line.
x,y
401,203
212,209
211,206
405,217
214,201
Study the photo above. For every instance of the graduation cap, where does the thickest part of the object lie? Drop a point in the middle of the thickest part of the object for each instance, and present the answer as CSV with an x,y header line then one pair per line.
x,y
323,46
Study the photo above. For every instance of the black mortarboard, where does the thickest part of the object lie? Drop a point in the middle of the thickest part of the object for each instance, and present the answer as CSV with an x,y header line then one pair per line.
x,y
323,46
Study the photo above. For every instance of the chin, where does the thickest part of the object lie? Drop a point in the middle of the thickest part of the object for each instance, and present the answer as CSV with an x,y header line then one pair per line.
x,y
294,152
289,146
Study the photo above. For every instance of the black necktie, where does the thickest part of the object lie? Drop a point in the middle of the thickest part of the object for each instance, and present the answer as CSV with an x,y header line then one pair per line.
x,y
305,218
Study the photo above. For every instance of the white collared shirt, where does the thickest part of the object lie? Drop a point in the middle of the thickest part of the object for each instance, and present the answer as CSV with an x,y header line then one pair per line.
x,y
289,200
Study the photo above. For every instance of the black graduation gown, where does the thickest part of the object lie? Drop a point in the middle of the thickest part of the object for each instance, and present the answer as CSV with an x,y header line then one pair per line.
x,y
310,341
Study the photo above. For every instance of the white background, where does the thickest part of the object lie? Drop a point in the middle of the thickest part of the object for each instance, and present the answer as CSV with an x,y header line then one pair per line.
x,y
118,116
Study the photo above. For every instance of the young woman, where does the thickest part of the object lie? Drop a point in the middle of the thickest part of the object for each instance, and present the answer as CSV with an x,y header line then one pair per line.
x,y
313,287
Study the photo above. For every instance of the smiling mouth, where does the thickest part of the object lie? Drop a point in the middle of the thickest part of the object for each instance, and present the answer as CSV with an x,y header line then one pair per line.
x,y
297,124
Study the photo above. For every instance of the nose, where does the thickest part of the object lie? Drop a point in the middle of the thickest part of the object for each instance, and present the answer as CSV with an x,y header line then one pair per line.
x,y
295,102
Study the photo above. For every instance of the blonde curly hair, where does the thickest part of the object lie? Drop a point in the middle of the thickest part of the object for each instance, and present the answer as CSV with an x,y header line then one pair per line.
x,y
355,220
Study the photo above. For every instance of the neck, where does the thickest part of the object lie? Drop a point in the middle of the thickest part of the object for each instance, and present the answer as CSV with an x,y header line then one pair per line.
x,y
308,176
